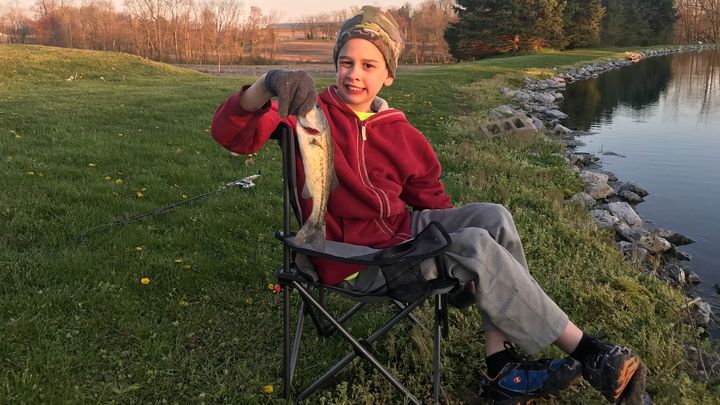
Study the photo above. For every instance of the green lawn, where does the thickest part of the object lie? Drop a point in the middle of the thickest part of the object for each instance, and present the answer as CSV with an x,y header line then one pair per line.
x,y
86,137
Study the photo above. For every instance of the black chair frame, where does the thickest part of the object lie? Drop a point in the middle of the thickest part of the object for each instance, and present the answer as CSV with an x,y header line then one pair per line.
x,y
431,243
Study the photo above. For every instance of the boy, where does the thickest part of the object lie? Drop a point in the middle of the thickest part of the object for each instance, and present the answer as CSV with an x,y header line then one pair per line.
x,y
383,165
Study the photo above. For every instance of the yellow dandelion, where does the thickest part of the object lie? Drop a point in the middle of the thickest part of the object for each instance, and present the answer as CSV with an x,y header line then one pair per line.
x,y
268,389
120,135
178,261
187,267
145,281
139,248
119,181
92,165
183,302
108,178
139,194
30,173
248,301
184,196
271,287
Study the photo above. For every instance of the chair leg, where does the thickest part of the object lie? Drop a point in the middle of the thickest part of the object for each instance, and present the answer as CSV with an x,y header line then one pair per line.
x,y
358,348
438,332
296,341
287,371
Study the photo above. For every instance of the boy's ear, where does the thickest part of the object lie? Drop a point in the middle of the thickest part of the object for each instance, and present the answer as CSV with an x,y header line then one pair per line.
x,y
388,81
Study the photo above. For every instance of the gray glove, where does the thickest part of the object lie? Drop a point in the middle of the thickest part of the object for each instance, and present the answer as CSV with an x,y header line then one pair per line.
x,y
294,89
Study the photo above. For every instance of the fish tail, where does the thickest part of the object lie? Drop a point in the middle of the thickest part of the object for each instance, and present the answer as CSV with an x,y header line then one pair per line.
x,y
313,234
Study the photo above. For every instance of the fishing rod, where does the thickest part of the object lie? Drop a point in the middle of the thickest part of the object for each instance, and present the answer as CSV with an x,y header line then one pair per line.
x,y
125,219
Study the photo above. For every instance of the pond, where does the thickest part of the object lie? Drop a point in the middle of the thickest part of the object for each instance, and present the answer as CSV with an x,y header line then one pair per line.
x,y
661,117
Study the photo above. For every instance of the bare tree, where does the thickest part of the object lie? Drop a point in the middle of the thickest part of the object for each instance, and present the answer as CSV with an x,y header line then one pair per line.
x,y
698,20
225,17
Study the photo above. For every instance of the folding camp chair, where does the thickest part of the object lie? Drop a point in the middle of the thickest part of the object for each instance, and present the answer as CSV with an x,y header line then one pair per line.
x,y
406,287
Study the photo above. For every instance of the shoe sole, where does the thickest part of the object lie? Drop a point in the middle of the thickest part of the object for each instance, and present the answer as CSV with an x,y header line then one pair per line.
x,y
531,399
627,371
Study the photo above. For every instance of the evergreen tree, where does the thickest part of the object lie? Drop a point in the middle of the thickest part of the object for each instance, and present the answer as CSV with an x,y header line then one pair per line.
x,y
582,22
486,27
638,22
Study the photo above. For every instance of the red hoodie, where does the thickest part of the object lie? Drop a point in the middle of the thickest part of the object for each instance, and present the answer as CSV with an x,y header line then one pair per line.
x,y
383,165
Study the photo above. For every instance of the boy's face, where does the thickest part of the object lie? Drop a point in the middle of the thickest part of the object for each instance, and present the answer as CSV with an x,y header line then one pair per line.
x,y
361,73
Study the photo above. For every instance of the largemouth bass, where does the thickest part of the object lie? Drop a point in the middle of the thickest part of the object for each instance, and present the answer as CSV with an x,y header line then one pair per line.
x,y
316,150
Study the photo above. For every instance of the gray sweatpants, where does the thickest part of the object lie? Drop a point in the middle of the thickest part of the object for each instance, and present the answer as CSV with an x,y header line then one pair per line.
x,y
486,248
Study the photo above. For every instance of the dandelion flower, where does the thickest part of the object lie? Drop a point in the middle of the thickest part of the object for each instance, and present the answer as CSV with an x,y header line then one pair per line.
x,y
30,173
183,302
268,389
139,248
92,165
271,286
145,281
178,261
248,301
187,267
184,196
108,178
139,194
119,181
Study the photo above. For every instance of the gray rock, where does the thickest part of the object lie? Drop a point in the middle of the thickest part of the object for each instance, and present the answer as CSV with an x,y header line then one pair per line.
x,y
673,237
632,252
703,314
604,219
585,198
591,177
625,213
651,242
559,97
582,159
679,254
692,277
630,197
599,191
611,153
556,114
544,98
630,186
573,143
559,129
505,110
676,274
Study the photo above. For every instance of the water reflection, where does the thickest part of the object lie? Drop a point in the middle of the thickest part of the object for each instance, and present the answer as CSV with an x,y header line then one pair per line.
x,y
695,78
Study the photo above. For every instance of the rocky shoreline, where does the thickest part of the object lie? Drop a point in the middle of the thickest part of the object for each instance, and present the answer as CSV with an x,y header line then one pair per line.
x,y
609,200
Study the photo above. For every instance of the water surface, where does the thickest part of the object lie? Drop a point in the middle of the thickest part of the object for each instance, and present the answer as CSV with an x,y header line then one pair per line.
x,y
663,116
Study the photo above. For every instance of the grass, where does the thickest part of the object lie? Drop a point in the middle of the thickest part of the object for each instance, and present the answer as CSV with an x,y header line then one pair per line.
x,y
88,136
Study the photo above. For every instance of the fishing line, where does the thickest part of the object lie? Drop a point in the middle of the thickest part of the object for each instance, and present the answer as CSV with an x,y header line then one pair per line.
x,y
125,219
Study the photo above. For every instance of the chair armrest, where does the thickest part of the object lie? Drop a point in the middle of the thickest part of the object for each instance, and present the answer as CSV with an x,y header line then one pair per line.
x,y
430,242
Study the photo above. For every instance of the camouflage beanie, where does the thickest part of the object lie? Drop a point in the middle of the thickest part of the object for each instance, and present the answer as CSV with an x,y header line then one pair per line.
x,y
377,26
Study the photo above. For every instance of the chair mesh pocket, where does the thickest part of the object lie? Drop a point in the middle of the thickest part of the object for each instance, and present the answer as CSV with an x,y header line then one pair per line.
x,y
404,281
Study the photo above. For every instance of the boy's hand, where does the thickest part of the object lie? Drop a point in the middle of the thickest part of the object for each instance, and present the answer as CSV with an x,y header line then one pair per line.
x,y
294,89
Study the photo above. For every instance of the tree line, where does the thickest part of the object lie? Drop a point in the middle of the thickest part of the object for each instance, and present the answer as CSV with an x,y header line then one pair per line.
x,y
487,27
436,31
205,31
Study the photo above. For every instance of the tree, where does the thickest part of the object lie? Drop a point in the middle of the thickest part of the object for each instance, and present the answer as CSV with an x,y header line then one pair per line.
x,y
582,22
486,27
638,22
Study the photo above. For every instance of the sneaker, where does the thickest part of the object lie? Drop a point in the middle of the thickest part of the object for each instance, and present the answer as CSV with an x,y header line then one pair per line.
x,y
526,380
610,370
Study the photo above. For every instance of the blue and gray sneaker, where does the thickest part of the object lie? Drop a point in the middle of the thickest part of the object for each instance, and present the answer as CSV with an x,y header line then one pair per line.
x,y
524,381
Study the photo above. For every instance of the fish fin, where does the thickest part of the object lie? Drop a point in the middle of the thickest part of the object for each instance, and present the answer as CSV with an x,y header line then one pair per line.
x,y
312,234
334,182
306,191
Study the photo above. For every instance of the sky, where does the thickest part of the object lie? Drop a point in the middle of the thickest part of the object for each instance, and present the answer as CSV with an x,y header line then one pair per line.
x,y
291,10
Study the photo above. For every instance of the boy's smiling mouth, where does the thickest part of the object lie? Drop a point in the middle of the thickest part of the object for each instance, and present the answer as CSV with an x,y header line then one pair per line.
x,y
354,89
